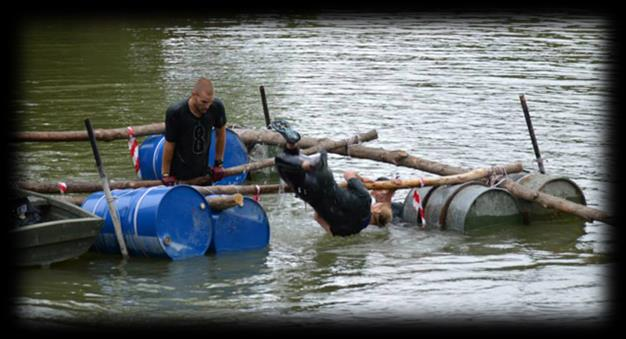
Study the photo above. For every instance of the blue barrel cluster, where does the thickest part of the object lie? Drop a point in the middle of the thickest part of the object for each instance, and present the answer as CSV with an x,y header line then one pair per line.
x,y
151,157
172,222
177,223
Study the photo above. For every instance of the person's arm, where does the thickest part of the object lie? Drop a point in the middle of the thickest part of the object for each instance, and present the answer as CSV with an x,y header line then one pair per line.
x,y
220,143
364,180
168,155
171,135
349,174
323,223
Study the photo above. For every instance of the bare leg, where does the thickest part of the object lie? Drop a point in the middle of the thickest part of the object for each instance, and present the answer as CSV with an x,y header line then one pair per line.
x,y
323,223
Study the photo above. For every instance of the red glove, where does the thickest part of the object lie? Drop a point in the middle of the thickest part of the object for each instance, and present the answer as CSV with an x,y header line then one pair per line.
x,y
169,180
217,173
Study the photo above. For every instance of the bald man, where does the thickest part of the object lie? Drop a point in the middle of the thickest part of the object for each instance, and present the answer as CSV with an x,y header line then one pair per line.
x,y
188,126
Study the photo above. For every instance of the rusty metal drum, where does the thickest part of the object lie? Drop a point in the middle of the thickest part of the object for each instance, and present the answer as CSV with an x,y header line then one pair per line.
x,y
478,206
558,186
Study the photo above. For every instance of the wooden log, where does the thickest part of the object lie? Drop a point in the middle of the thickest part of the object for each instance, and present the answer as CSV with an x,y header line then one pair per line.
x,y
243,189
223,202
323,145
399,158
444,180
217,203
100,134
84,186
257,165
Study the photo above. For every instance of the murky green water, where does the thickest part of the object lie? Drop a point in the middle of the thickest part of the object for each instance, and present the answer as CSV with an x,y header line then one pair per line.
x,y
438,87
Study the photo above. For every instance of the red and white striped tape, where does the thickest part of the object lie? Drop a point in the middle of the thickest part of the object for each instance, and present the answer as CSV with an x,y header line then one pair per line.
x,y
133,147
257,196
62,187
417,203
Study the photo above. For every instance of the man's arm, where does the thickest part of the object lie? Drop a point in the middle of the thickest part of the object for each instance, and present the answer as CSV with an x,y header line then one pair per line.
x,y
349,174
168,155
220,143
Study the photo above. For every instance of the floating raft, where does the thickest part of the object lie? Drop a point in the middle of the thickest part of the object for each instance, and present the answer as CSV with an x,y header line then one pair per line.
x,y
151,157
177,223
468,206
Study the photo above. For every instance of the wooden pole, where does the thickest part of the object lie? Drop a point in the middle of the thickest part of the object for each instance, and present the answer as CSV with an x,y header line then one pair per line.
x,y
85,186
531,131
266,111
445,180
258,165
223,202
217,203
100,134
244,189
107,191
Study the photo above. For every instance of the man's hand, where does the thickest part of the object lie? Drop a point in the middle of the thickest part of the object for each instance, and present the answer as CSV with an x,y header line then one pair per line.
x,y
216,173
169,180
349,174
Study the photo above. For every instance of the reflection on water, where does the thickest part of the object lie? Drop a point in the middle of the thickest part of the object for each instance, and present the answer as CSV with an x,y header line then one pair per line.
x,y
438,87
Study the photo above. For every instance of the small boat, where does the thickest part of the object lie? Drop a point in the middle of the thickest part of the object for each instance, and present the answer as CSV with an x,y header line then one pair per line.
x,y
47,230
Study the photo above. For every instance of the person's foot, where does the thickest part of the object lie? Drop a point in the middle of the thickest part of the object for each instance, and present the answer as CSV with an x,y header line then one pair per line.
x,y
282,127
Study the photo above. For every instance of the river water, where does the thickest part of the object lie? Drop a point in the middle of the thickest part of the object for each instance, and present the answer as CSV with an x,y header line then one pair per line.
x,y
440,87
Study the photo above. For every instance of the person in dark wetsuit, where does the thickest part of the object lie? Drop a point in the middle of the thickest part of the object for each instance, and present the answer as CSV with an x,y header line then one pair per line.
x,y
188,126
340,211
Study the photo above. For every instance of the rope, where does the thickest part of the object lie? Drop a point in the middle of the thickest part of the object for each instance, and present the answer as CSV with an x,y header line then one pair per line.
x,y
494,176
349,142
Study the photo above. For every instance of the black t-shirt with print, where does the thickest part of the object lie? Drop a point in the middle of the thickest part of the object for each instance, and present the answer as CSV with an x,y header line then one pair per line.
x,y
192,136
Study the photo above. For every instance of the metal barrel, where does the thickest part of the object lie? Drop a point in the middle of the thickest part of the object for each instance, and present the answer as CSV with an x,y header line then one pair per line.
x,y
462,207
240,228
172,222
558,186
409,210
438,201
151,157
477,206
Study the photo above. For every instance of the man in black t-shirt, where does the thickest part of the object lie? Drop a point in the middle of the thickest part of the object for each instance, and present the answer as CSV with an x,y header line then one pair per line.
x,y
188,126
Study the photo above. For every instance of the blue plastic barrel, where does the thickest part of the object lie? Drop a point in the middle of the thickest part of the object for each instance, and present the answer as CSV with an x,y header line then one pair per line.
x,y
151,157
173,222
240,228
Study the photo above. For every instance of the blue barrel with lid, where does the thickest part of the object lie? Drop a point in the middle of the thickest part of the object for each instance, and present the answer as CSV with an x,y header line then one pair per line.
x,y
151,157
172,222
240,228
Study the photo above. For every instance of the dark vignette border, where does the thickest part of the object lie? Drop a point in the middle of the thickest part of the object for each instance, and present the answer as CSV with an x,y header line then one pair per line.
x,y
116,9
